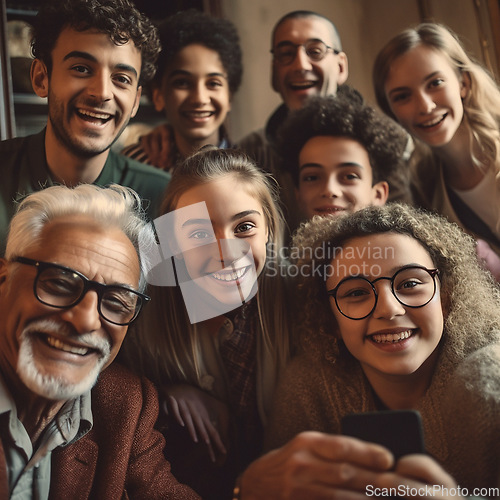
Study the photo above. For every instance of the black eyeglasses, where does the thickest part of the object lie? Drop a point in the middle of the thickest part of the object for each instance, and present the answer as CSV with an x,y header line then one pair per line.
x,y
413,286
286,52
62,287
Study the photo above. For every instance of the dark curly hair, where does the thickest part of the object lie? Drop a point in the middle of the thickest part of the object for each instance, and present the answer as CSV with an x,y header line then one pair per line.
x,y
117,18
192,26
345,115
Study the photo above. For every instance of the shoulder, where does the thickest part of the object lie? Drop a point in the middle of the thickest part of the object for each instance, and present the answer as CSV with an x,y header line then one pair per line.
x,y
475,382
121,393
135,167
149,182
136,152
12,144
21,144
479,371
253,140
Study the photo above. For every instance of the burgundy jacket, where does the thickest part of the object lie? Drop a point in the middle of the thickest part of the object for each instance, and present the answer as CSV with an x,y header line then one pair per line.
x,y
122,456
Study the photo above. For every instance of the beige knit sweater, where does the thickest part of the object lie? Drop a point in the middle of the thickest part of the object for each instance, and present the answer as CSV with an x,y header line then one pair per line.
x,y
460,410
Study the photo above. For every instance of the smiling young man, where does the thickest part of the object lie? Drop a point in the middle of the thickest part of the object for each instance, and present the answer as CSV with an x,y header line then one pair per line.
x,y
91,60
199,71
71,283
341,153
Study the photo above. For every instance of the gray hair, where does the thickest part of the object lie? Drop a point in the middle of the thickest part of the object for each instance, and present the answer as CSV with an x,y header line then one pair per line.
x,y
114,206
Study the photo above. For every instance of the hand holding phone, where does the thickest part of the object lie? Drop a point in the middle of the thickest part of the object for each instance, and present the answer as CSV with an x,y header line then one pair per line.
x,y
400,431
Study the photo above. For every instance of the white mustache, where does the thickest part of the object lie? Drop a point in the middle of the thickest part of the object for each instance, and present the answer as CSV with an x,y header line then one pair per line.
x,y
62,330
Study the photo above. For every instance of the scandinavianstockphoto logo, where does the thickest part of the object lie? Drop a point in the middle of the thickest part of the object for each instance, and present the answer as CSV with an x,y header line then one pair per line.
x,y
216,276
327,260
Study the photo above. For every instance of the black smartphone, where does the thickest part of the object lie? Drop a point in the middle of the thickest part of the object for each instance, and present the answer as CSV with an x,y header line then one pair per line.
x,y
400,431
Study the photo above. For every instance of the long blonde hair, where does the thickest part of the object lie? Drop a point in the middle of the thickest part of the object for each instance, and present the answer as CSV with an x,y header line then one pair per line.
x,y
482,103
169,349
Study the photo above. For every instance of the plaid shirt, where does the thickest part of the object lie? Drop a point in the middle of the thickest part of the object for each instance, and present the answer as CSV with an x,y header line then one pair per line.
x,y
239,353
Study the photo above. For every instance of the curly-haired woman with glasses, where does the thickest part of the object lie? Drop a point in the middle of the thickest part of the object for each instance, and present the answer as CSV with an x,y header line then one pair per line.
x,y
398,315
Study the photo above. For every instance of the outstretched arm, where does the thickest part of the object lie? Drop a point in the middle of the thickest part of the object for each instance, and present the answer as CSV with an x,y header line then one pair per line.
x,y
156,145
418,476
314,466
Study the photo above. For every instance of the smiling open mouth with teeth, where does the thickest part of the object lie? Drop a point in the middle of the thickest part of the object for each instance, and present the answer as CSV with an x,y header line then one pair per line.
x,y
302,85
228,276
199,114
329,210
391,338
433,123
62,346
94,117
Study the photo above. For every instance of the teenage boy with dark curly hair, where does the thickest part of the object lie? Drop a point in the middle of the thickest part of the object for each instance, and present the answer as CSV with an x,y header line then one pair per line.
x,y
341,153
91,59
199,70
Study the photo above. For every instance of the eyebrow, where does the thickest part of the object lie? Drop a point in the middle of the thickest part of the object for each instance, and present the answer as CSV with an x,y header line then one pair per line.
x,y
183,72
245,213
343,164
192,222
289,42
235,217
78,54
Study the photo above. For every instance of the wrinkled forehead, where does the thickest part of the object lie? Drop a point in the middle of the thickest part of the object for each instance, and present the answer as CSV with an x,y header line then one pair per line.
x,y
90,247
300,29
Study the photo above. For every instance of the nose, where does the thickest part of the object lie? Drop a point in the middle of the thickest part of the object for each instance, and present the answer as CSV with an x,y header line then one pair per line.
x,y
425,102
84,316
200,94
301,59
331,188
100,87
230,248
387,306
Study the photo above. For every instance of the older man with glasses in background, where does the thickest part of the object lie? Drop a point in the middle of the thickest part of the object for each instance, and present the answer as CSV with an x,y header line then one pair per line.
x,y
71,283
308,60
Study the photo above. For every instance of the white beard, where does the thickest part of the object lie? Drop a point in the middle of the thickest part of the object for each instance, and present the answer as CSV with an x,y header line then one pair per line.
x,y
48,386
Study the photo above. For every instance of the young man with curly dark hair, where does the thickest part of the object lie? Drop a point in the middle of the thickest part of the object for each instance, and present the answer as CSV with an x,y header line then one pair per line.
x,y
341,153
199,70
91,59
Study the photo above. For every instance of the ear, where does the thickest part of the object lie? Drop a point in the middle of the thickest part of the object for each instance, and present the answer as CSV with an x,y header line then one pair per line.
x,y
137,101
380,193
274,77
297,194
465,85
39,78
343,68
158,100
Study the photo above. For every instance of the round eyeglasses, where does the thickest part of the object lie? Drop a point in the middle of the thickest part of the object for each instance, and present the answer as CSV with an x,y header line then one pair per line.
x,y
286,52
413,286
62,287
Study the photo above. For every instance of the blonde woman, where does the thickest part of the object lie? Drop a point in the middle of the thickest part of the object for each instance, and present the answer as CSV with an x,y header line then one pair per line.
x,y
450,105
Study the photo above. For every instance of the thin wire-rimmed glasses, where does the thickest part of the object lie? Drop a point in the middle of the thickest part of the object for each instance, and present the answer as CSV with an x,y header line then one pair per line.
x,y
62,287
286,52
413,286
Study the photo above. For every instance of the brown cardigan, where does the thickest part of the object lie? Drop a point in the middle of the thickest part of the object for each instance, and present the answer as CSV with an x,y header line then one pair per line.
x,y
121,457
460,410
